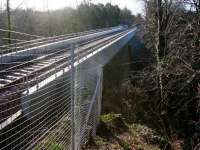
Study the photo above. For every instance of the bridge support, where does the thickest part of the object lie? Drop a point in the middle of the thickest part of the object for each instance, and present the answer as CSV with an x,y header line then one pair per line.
x,y
87,90
72,96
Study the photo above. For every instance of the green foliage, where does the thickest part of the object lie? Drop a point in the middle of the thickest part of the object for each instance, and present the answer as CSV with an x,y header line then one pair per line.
x,y
109,117
55,146
52,146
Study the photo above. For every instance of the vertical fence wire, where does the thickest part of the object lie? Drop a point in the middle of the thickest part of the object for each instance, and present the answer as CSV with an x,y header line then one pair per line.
x,y
72,98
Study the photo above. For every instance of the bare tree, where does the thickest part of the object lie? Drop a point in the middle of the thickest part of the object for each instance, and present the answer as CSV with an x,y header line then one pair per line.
x,y
173,77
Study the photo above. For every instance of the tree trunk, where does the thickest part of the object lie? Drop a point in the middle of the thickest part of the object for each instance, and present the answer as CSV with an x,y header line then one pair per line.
x,y
8,22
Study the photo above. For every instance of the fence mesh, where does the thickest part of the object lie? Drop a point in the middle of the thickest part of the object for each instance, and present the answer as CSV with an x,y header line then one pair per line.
x,y
50,90
55,110
88,89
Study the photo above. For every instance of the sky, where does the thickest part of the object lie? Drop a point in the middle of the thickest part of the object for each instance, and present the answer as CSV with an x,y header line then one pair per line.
x,y
134,5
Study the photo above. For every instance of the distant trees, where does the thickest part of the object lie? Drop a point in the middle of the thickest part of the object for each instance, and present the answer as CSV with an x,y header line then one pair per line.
x,y
98,16
86,16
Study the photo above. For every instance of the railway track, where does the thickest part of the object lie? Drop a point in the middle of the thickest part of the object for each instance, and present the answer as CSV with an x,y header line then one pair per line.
x,y
20,127
36,42
16,79
17,73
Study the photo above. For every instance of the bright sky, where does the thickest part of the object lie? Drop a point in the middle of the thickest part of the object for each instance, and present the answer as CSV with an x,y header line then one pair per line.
x,y
134,5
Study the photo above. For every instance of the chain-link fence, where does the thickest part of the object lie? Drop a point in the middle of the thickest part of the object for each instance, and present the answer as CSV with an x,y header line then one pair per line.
x,y
50,95
55,110
88,90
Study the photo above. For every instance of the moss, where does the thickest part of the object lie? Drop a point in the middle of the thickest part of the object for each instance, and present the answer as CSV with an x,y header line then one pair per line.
x,y
109,117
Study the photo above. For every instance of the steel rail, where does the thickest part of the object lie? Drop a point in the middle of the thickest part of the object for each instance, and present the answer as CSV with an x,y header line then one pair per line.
x,y
57,66
61,66
43,76
30,65
48,40
56,36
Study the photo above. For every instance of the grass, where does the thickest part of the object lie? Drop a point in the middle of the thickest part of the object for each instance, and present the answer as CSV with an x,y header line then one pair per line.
x,y
52,145
54,140
137,137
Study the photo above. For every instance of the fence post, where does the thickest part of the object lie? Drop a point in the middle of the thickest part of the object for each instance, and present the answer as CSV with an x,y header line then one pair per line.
x,y
72,98
99,100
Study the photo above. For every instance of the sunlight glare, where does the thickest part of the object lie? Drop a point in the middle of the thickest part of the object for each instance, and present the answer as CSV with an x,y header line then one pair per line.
x,y
43,5
136,6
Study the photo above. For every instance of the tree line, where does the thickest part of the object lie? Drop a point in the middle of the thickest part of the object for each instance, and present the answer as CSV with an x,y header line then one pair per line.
x,y
48,23
171,80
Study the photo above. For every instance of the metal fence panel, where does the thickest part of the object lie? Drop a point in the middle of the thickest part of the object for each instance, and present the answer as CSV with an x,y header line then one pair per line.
x,y
50,95
54,111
